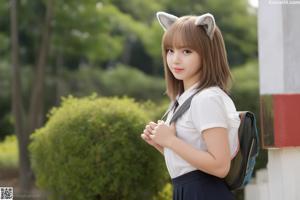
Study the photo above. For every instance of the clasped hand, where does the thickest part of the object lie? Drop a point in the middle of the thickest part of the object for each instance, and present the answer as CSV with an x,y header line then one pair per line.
x,y
159,134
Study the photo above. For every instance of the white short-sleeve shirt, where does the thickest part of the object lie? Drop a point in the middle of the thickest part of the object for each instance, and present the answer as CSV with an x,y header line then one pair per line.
x,y
211,107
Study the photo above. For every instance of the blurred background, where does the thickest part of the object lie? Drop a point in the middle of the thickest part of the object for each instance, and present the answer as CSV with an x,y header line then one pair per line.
x,y
94,49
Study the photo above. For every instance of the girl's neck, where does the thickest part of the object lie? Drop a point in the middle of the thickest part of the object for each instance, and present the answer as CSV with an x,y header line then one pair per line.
x,y
188,84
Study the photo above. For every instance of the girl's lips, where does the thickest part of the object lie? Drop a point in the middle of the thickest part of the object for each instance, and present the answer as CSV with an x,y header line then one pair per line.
x,y
177,70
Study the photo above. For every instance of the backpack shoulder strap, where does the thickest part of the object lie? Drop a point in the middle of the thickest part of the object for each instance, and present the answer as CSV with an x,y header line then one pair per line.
x,y
171,106
183,108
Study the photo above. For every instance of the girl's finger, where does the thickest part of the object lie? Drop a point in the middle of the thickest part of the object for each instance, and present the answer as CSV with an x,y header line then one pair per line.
x,y
152,137
160,122
147,135
152,125
149,129
144,137
146,131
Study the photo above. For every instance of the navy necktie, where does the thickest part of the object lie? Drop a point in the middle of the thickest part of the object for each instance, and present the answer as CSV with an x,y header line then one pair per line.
x,y
176,104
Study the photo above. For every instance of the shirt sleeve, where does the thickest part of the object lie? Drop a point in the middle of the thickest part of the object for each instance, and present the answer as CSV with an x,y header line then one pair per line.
x,y
208,112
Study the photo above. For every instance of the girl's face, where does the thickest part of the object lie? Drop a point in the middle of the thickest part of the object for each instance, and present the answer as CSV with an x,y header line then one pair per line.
x,y
184,63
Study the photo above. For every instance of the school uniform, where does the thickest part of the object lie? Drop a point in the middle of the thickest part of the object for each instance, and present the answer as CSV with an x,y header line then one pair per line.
x,y
210,108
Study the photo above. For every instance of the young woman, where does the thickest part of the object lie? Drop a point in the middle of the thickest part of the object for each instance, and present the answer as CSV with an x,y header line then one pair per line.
x,y
199,147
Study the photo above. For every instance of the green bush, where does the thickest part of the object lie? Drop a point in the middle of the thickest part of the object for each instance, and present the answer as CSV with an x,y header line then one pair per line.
x,y
155,110
165,193
90,148
9,152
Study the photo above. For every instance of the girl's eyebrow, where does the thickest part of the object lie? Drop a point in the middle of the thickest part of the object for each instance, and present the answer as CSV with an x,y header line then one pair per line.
x,y
181,46
178,47
184,47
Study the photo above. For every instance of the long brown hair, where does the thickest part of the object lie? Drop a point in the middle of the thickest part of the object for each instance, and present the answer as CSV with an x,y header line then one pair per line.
x,y
214,69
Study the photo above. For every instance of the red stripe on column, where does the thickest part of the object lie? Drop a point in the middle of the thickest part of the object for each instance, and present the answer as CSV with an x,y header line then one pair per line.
x,y
286,109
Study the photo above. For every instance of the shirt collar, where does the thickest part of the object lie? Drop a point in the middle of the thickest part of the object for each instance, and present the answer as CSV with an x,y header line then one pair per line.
x,y
186,94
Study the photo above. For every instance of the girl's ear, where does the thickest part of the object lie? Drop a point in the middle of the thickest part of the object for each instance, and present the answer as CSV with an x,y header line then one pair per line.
x,y
165,19
208,22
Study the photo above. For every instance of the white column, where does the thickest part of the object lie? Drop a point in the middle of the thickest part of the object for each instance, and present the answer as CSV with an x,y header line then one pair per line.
x,y
284,173
279,46
279,62
258,188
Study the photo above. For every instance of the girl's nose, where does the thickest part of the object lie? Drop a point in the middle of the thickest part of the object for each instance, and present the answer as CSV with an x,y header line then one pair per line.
x,y
176,57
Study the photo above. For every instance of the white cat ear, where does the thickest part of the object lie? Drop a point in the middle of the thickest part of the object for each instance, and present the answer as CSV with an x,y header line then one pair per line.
x,y
208,22
165,19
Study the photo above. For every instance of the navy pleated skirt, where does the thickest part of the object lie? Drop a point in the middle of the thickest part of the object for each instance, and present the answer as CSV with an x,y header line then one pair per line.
x,y
197,185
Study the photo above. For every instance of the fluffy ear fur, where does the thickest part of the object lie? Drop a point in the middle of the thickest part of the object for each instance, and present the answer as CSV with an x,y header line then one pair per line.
x,y
208,22
165,19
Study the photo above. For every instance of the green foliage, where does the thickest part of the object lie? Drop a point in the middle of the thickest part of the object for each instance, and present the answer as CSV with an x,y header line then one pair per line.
x,y
4,80
155,110
151,40
9,152
91,148
123,80
93,38
119,81
6,122
246,88
145,11
165,193
4,31
4,41
239,27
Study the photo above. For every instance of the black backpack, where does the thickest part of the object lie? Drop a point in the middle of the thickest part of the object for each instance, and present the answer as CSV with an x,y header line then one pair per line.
x,y
243,163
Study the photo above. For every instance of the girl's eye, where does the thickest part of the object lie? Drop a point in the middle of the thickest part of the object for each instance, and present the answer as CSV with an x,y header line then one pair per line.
x,y
169,51
186,51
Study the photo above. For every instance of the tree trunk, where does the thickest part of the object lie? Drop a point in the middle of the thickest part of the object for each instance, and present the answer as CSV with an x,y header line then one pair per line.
x,y
36,104
37,100
24,169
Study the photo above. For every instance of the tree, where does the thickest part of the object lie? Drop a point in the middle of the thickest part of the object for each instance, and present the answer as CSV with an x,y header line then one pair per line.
x,y
17,100
23,129
36,103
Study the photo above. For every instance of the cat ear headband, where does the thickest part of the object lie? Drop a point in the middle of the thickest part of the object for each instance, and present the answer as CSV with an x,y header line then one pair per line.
x,y
206,20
